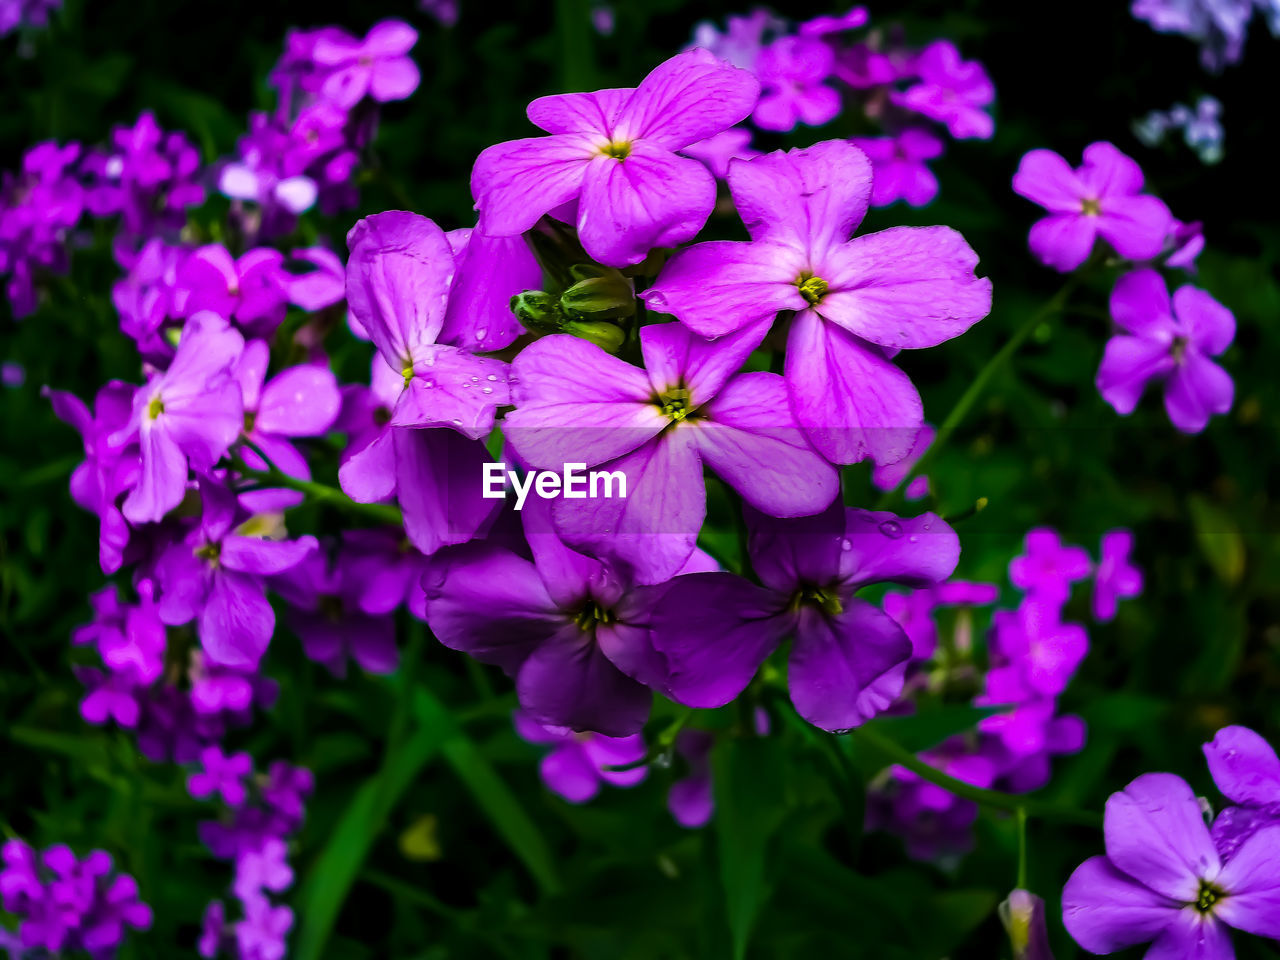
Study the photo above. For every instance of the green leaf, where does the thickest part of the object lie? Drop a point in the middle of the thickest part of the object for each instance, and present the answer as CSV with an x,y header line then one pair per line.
x,y
930,727
749,807
331,875
952,916
491,792
1219,539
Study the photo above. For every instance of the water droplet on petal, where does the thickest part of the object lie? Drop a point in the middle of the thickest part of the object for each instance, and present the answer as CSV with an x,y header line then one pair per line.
x,y
491,377
846,544
482,333
891,529
487,390
475,379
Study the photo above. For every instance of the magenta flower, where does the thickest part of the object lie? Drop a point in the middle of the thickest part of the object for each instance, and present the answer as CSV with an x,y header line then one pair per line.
x,y
952,91
222,774
216,574
855,299
569,628
1033,653
326,594
1101,198
1168,340
301,401
1048,568
252,290
658,426
261,934
848,658
1162,880
898,166
822,26
1115,576
185,418
1247,771
792,72
614,151
378,66
577,765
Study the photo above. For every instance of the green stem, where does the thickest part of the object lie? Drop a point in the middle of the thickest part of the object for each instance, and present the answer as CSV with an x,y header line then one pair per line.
x,y
662,743
988,798
1022,848
979,386
382,512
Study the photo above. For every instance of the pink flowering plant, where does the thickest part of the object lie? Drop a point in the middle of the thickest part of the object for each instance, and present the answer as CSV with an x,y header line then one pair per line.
x,y
520,484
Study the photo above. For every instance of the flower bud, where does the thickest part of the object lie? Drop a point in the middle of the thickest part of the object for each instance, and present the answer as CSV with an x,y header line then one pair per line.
x,y
1023,917
600,294
538,311
608,336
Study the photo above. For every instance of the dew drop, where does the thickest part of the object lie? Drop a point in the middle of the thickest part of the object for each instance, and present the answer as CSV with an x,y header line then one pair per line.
x,y
482,333
913,539
491,378
891,529
457,423
488,390
475,379
843,731
846,544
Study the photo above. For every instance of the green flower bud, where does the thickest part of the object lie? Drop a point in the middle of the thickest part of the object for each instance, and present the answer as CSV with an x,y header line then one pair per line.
x,y
538,311
605,335
606,296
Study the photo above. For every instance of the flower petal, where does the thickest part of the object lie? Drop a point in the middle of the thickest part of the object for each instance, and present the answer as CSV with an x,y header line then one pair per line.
x,y
1244,766
1212,325
1128,364
1197,389
1105,910
674,356
301,401
1156,834
516,182
692,96
1045,178
439,485
1251,879
1062,241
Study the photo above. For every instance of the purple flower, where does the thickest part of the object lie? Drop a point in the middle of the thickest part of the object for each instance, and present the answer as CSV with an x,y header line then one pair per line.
x,y
215,573
690,799
578,764
221,774
952,91
1048,568
848,658
658,426
129,638
38,208
263,869
445,11
251,290
569,628
717,151
185,418
614,152
378,66
301,401
286,788
1219,26
1033,653
898,166
888,477
15,14
855,299
325,594
1245,768
111,466
1102,198
319,288
67,905
1183,245
1115,576
261,934
743,38
792,73
146,296
1168,340
147,176
914,611
213,930
822,26
1162,880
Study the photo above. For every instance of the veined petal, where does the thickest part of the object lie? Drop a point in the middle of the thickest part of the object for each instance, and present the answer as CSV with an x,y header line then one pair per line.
x,y
810,199
301,401
847,668
491,270
1156,834
692,96
516,182
718,287
398,278
1105,910
1045,178
1251,879
590,114
453,388
852,401
439,483
1244,766
905,287
750,439
673,355
880,547
651,198
162,483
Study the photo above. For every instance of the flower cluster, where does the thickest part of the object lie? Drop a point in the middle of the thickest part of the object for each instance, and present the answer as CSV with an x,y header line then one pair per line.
x,y
1032,654
1201,127
1159,338
1220,27
260,813
809,71
39,207
308,149
68,904
1168,878
26,14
